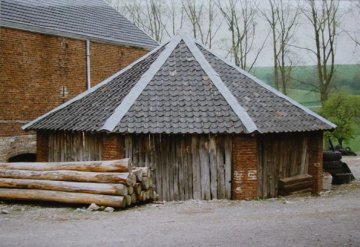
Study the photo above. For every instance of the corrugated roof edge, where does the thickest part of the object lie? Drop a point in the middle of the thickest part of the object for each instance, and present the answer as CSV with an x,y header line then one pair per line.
x,y
87,92
74,35
263,84
220,85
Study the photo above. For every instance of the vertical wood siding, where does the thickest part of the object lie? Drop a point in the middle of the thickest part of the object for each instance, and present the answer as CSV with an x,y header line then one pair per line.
x,y
280,156
186,167
71,146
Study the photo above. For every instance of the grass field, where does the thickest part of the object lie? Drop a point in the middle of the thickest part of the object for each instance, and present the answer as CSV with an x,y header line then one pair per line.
x,y
308,98
355,142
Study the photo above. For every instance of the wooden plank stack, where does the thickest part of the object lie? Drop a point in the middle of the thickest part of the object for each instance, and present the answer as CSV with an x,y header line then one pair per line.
x,y
107,183
299,183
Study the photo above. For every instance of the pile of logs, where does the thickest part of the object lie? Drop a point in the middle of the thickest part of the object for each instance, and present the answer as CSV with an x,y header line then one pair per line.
x,y
107,183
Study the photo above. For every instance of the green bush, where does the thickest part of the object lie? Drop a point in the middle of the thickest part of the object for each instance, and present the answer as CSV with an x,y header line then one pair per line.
x,y
343,110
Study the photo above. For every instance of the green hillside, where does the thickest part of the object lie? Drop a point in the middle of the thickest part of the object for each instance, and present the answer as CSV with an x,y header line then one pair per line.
x,y
347,78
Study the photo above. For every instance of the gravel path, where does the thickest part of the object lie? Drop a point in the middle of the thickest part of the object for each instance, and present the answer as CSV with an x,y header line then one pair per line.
x,y
332,219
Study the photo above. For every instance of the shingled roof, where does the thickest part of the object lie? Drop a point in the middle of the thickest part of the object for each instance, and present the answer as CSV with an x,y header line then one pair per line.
x,y
90,19
181,87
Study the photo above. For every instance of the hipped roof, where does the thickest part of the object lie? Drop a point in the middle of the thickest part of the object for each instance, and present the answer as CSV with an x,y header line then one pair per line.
x,y
181,88
90,19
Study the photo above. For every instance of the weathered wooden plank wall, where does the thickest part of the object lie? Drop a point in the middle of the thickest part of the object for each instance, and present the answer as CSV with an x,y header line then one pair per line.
x,y
186,167
280,156
71,146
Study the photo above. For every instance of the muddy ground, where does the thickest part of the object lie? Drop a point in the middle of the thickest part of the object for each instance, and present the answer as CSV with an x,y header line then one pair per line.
x,y
333,219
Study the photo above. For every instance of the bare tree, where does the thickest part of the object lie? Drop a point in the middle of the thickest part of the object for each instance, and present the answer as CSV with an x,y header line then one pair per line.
x,y
176,17
148,15
154,12
282,20
323,16
203,19
355,35
240,17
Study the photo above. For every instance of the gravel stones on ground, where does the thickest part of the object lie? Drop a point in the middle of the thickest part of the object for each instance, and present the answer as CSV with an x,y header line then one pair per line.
x,y
109,209
93,207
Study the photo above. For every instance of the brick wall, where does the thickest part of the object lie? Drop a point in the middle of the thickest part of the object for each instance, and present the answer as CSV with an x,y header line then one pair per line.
x,y
34,68
244,167
316,161
113,147
107,59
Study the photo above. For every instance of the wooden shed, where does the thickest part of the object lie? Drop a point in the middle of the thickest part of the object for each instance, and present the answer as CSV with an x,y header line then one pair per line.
x,y
207,128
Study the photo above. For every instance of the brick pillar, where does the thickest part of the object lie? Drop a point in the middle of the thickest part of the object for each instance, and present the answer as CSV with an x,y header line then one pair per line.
x,y
113,147
244,167
42,146
316,161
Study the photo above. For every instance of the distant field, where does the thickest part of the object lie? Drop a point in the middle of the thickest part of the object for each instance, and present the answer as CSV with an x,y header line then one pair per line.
x,y
347,79
307,98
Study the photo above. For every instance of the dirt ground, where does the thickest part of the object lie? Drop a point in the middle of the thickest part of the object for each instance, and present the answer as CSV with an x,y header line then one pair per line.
x,y
333,219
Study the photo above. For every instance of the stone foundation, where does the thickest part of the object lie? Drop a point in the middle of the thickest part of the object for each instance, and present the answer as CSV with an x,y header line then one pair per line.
x,y
16,145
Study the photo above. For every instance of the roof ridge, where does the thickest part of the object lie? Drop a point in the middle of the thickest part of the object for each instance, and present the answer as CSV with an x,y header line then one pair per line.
x,y
139,87
269,88
89,91
242,114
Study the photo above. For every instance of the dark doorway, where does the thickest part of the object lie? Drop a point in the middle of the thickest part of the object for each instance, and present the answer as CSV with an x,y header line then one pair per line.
x,y
23,158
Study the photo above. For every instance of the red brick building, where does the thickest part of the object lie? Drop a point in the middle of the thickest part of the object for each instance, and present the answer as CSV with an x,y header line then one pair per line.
x,y
50,51
208,129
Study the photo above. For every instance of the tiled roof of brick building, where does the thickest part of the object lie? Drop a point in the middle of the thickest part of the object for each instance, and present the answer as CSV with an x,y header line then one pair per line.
x,y
181,87
90,19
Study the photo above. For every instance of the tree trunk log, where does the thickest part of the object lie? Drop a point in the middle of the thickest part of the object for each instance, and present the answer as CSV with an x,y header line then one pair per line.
x,y
145,171
128,199
137,188
141,197
122,165
123,178
63,197
92,188
146,183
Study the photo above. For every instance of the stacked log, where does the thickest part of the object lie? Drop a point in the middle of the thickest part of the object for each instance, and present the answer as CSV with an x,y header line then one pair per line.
x,y
106,183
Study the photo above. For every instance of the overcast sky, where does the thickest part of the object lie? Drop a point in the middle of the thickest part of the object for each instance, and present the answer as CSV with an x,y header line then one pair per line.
x,y
346,51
